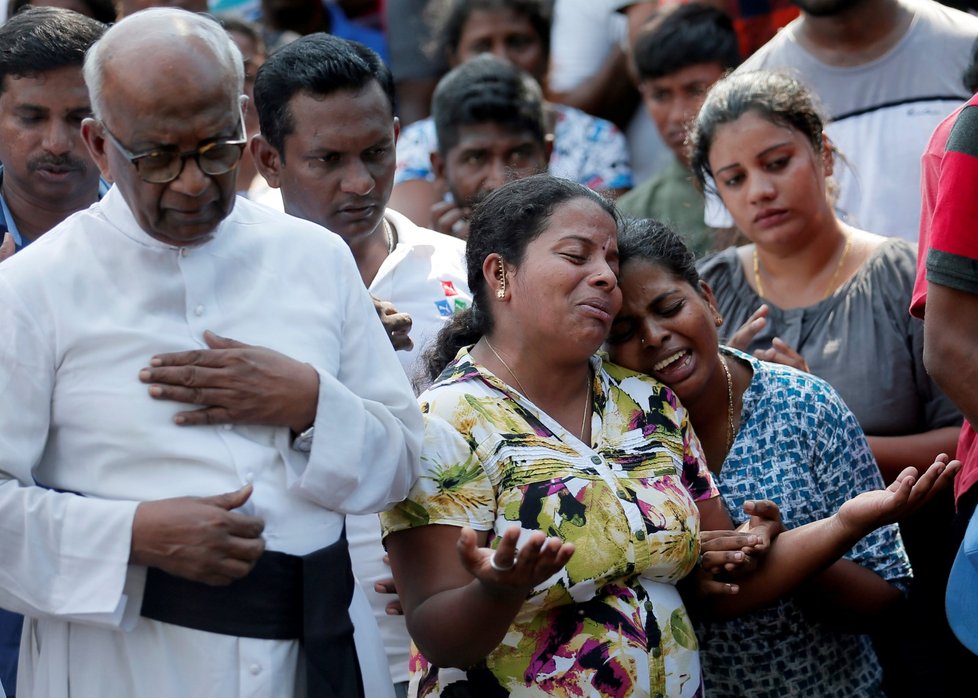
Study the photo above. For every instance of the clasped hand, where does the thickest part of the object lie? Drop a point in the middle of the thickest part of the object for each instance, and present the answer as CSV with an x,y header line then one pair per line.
x,y
726,555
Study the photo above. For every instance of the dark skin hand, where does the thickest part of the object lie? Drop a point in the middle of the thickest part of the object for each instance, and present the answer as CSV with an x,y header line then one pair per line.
x,y
235,383
733,551
7,248
198,538
397,325
780,352
451,219
739,551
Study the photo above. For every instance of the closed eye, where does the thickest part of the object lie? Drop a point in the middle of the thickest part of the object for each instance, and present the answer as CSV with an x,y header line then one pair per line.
x,y
621,331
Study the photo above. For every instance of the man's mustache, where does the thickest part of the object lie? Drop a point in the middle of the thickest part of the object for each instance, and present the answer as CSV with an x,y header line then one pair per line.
x,y
57,162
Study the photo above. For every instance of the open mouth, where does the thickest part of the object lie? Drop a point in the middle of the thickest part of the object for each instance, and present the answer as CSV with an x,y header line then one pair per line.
x,y
671,361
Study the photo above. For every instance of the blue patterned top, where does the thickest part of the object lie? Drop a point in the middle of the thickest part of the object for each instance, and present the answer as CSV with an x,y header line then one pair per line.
x,y
800,446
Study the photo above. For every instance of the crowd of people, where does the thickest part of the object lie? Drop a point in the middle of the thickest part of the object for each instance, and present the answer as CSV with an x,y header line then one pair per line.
x,y
488,347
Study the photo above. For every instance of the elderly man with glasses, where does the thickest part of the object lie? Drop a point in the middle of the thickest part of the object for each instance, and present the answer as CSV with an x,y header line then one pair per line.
x,y
160,548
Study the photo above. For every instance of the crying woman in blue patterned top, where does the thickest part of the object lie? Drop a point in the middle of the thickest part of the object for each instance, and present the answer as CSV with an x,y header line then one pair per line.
x,y
773,432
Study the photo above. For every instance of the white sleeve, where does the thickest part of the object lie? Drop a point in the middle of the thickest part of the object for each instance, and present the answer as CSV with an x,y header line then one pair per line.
x,y
715,214
64,555
584,32
366,449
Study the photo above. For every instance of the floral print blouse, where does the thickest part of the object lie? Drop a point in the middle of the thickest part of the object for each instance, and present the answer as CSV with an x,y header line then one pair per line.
x,y
611,623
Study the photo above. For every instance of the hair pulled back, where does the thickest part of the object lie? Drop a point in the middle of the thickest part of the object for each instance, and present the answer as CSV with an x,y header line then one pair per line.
x,y
776,97
648,240
505,223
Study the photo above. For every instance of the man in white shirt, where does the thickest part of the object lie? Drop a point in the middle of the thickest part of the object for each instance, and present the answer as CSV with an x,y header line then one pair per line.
x,y
328,131
151,558
326,110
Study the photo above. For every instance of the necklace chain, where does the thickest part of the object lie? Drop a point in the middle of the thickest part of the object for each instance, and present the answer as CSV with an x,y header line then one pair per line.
x,y
828,289
730,410
519,384
389,234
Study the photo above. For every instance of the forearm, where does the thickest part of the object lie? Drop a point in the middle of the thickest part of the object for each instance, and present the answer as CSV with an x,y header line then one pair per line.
x,y
365,453
950,337
850,597
894,453
460,627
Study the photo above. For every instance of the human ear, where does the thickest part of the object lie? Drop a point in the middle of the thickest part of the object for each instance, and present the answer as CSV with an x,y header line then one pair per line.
x,y
91,132
437,165
711,301
828,155
267,160
495,273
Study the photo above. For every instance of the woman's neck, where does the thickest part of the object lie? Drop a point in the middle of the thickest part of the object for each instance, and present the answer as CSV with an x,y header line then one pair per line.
x,y
559,388
715,412
800,276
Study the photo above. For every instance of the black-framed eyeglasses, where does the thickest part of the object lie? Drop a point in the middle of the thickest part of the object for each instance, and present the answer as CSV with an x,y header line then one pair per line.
x,y
165,163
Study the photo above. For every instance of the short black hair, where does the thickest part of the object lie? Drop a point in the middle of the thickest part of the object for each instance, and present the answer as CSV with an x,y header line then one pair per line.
x,y
252,31
100,10
320,65
688,35
38,40
487,90
649,240
448,18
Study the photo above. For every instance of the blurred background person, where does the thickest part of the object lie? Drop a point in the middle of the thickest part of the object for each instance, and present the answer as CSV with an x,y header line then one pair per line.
x,y
678,56
491,127
587,150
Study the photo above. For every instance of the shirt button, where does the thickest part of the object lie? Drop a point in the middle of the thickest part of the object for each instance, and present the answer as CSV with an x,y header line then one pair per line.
x,y
255,669
596,460
228,427
184,252
199,310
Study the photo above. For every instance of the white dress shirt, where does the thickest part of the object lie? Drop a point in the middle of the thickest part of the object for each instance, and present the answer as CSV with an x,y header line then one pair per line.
x,y
82,311
425,277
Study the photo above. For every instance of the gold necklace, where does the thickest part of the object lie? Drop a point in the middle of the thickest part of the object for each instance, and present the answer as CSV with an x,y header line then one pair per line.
x,y
730,411
757,275
838,267
828,289
519,384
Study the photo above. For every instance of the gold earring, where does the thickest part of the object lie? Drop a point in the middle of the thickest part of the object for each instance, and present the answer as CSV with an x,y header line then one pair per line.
x,y
718,319
501,275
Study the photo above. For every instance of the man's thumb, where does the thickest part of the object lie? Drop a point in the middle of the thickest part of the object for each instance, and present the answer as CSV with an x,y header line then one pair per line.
x,y
231,500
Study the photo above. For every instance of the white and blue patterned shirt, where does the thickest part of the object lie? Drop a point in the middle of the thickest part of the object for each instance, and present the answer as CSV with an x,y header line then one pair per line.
x,y
800,446
587,150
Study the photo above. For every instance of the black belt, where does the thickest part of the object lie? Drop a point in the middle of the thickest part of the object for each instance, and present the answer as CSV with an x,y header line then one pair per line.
x,y
284,597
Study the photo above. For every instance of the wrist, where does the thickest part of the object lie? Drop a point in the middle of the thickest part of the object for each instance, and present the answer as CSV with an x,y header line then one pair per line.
x,y
307,403
844,532
500,593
